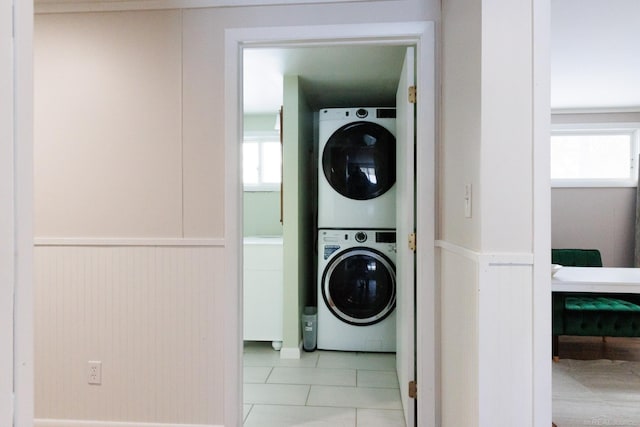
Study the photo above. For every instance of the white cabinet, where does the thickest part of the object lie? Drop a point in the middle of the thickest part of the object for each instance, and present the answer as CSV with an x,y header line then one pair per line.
x,y
263,289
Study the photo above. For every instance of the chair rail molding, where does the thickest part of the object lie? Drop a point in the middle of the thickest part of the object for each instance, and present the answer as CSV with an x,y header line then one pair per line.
x,y
66,6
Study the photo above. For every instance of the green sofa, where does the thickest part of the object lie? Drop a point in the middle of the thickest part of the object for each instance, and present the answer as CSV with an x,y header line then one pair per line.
x,y
590,314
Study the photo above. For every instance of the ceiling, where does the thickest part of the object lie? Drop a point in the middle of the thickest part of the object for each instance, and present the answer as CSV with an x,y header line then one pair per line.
x,y
595,54
595,64
338,76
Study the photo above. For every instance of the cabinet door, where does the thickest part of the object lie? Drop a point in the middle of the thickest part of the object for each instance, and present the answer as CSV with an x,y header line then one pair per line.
x,y
263,287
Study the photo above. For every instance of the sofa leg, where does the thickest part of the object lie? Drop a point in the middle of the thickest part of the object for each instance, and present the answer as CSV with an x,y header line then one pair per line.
x,y
554,348
604,339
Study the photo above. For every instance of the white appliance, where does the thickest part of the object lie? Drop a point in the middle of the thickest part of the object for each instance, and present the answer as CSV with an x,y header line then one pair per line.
x,y
356,168
263,289
356,290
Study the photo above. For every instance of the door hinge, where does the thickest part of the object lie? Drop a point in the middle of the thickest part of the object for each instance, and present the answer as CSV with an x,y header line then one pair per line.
x,y
412,242
412,94
413,389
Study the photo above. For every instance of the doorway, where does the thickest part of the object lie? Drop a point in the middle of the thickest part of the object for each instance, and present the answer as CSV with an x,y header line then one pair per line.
x,y
422,36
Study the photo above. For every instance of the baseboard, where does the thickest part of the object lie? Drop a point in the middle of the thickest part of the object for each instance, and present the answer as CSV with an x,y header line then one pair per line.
x,y
47,422
291,352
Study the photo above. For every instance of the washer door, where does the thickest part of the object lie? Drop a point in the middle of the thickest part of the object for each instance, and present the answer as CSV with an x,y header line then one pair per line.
x,y
359,286
359,160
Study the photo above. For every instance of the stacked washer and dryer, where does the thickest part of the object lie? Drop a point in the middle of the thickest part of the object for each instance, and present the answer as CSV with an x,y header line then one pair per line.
x,y
356,230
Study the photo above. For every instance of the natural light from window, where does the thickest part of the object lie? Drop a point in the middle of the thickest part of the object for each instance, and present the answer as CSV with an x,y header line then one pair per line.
x,y
594,158
261,164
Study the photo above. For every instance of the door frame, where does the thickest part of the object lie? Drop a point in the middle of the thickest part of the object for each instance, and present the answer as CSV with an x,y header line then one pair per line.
x,y
16,214
422,36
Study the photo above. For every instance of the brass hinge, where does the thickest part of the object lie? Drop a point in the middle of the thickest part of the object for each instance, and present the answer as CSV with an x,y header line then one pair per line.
x,y
412,242
412,94
413,389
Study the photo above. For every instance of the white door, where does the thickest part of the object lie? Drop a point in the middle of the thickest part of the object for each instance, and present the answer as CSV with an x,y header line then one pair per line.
x,y
405,225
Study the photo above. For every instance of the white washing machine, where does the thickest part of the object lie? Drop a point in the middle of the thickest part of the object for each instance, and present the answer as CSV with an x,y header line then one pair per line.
x,y
357,168
356,290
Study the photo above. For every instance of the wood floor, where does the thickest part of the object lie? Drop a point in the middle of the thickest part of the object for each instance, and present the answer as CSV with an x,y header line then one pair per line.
x,y
592,348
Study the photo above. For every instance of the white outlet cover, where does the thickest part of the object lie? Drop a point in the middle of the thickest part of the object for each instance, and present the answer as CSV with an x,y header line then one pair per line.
x,y
94,372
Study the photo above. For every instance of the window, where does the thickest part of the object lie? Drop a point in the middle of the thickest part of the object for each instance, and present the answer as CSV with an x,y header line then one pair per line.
x,y
594,156
261,163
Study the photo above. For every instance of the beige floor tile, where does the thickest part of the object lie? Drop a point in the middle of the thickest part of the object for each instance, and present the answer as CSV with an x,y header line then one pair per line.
x,y
381,379
245,411
307,416
272,358
379,418
350,360
319,376
276,394
255,374
354,397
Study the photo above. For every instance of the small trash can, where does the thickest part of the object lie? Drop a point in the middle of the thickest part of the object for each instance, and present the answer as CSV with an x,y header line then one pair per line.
x,y
309,328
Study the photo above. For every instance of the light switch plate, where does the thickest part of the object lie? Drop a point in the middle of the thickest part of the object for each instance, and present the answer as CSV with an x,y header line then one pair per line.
x,y
467,200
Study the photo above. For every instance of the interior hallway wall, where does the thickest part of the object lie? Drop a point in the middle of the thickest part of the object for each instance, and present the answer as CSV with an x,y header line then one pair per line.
x,y
486,255
261,209
298,228
595,218
130,152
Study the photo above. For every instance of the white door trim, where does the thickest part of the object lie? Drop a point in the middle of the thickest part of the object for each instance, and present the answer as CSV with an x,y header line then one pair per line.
x,y
7,216
16,214
541,30
422,35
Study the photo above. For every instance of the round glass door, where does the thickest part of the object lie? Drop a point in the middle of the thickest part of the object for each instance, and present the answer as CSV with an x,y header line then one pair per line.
x,y
359,286
359,160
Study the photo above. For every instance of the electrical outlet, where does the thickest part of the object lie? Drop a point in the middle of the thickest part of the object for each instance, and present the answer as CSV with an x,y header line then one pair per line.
x,y
94,374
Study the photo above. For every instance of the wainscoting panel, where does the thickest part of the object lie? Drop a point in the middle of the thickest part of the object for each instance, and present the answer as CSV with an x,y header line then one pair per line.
x,y
505,339
487,337
459,306
151,314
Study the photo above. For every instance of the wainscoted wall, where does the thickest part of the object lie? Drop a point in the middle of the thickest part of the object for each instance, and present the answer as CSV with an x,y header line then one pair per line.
x,y
145,313
459,352
487,344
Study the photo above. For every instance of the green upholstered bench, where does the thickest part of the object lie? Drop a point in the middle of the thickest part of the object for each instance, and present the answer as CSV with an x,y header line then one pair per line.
x,y
589,314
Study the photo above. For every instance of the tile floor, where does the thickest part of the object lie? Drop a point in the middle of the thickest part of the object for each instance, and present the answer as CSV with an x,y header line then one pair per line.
x,y
322,388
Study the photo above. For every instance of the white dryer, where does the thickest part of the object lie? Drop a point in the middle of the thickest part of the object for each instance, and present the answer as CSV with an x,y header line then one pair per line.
x,y
356,290
357,168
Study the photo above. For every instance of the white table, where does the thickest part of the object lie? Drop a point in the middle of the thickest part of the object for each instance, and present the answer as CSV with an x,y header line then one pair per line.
x,y
597,279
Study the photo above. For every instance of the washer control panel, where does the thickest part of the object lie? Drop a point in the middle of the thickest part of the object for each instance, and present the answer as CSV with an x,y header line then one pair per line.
x,y
332,241
329,250
360,237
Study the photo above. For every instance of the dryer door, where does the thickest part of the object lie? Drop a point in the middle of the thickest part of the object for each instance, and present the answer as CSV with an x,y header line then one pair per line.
x,y
359,286
359,160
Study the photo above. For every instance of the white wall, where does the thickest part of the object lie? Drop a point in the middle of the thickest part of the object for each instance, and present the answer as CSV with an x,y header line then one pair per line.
x,y
460,136
140,161
489,113
298,226
261,209
108,134
595,218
